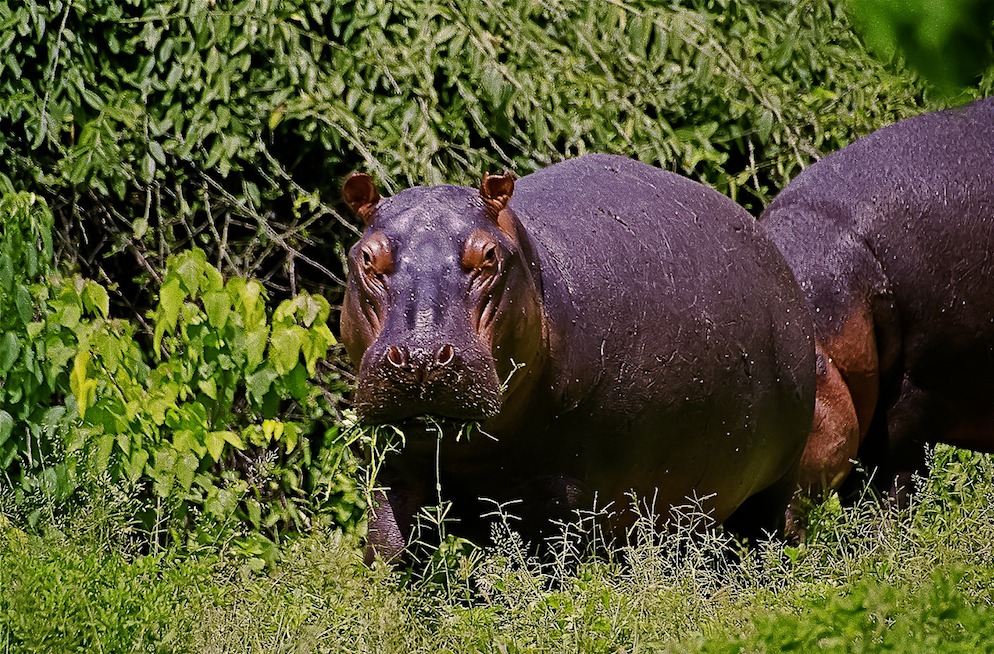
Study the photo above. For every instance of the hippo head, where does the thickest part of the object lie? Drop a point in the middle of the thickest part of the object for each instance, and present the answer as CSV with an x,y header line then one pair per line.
x,y
441,302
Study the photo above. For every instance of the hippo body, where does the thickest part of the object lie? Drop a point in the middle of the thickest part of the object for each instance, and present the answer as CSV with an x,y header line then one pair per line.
x,y
663,346
892,241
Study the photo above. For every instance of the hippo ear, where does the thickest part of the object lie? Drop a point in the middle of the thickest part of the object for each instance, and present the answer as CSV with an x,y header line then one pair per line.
x,y
359,192
496,190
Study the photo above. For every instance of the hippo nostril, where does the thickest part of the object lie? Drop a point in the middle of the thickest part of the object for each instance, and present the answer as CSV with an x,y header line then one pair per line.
x,y
445,355
396,356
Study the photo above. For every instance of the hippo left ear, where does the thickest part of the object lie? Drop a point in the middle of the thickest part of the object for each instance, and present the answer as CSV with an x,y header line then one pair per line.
x,y
496,190
359,192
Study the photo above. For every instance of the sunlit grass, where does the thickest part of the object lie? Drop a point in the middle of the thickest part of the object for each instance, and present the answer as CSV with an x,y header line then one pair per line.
x,y
866,580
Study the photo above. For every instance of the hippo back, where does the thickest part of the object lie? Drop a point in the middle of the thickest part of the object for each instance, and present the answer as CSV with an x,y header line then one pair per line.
x,y
672,320
911,207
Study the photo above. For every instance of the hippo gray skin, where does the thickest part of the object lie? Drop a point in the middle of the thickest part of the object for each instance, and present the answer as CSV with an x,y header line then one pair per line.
x,y
651,339
892,241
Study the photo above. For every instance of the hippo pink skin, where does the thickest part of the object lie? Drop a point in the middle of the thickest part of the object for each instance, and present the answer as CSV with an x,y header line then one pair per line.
x,y
891,240
652,340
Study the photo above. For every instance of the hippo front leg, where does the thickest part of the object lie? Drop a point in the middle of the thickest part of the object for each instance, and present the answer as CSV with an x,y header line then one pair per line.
x,y
391,521
832,444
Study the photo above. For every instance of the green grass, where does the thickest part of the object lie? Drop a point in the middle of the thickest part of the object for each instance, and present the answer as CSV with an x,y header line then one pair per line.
x,y
866,581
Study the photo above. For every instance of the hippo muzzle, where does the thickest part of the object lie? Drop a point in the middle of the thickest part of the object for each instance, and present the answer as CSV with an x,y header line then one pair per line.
x,y
400,380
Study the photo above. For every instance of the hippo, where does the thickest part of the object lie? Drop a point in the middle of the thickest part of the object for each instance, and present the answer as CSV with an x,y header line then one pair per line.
x,y
892,241
614,331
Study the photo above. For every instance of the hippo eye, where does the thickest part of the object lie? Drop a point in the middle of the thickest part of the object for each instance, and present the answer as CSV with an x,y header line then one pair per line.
x,y
480,253
368,263
375,258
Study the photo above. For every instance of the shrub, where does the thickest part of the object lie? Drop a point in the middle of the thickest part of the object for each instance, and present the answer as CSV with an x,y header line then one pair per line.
x,y
222,427
158,125
219,419
39,326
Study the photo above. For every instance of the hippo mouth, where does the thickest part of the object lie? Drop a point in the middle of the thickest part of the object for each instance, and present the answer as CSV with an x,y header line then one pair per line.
x,y
379,401
413,412
394,387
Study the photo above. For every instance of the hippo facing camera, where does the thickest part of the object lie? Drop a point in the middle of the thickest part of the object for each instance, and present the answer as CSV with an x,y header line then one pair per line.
x,y
611,327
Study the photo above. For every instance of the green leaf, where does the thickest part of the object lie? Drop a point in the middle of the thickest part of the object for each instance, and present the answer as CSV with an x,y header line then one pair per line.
x,y
171,298
252,304
25,307
291,436
82,388
284,347
135,465
208,387
6,426
234,439
258,383
10,347
95,298
147,168
217,304
215,445
254,510
157,153
315,346
185,470
272,430
102,457
255,346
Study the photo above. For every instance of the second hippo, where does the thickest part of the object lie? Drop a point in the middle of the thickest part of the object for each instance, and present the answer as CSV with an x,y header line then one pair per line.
x,y
892,242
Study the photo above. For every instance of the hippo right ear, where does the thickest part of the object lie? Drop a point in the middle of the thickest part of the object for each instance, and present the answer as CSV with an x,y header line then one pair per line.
x,y
496,190
359,192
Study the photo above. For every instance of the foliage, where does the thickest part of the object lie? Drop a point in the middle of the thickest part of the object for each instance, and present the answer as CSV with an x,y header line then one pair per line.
x,y
875,617
157,125
218,427
220,421
913,582
40,325
877,581
70,592
951,42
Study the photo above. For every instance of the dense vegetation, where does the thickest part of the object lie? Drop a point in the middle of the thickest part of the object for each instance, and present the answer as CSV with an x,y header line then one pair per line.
x,y
151,126
172,399
867,581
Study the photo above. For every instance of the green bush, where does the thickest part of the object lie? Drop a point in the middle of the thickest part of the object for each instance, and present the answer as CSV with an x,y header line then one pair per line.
x,y
221,423
40,323
218,420
72,593
157,125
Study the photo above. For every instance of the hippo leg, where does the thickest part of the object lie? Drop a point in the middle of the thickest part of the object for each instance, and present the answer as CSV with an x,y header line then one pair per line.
x,y
391,521
847,390
553,501
835,434
764,513
832,445
911,425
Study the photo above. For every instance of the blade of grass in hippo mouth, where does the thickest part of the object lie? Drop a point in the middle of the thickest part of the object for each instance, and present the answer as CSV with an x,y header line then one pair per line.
x,y
431,426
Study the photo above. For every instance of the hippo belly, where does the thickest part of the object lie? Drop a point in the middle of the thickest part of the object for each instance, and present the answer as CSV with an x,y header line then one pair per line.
x,y
891,239
647,337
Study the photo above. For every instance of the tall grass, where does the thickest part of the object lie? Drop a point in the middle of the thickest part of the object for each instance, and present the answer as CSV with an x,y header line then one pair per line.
x,y
868,579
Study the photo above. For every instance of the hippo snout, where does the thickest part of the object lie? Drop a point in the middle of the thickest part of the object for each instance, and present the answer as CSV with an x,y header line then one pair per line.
x,y
420,363
401,380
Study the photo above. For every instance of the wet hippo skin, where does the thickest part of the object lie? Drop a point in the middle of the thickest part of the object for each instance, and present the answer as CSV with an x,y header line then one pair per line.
x,y
651,338
892,242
